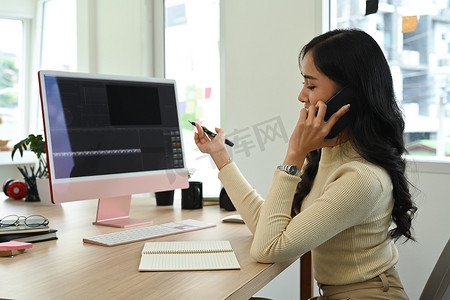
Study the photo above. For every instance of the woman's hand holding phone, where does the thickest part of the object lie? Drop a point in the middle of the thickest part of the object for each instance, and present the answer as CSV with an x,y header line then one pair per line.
x,y
310,132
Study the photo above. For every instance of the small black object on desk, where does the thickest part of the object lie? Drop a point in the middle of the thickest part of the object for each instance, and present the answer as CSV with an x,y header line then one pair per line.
x,y
192,197
225,202
164,198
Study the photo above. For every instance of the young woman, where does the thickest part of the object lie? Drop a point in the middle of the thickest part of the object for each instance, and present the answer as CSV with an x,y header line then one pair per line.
x,y
349,190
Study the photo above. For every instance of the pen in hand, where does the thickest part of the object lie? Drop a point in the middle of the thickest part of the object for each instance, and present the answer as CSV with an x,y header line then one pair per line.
x,y
209,132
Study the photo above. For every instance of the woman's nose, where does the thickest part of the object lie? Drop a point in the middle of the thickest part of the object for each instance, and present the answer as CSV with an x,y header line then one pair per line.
x,y
302,97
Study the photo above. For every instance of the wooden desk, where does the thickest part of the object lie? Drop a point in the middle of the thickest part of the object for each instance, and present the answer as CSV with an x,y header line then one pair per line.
x,y
69,269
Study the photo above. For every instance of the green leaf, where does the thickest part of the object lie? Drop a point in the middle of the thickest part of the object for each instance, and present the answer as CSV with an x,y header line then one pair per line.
x,y
35,142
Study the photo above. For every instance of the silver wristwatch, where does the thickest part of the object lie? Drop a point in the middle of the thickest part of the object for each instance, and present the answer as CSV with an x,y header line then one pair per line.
x,y
290,169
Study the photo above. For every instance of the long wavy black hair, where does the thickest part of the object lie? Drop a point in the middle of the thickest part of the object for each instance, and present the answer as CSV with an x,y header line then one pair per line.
x,y
351,57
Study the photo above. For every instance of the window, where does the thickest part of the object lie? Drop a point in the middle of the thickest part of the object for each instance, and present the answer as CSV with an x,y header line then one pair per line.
x,y
59,35
58,47
11,78
419,60
192,59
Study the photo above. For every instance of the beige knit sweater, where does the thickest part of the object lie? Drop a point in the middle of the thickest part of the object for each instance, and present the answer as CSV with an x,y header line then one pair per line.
x,y
344,220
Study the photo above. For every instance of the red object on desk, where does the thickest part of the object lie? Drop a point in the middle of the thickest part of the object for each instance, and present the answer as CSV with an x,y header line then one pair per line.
x,y
15,189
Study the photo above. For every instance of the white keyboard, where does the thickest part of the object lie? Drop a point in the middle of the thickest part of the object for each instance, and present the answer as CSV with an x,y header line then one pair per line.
x,y
145,233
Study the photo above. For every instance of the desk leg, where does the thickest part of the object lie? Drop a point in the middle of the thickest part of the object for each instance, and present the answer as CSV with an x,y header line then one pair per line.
x,y
306,277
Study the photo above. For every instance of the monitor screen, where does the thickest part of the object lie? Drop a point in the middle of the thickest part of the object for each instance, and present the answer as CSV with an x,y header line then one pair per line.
x,y
109,137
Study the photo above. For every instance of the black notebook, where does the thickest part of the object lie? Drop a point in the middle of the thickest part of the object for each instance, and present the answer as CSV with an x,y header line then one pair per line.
x,y
30,237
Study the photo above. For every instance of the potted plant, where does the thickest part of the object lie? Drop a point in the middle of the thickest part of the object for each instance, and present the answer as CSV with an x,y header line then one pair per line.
x,y
36,144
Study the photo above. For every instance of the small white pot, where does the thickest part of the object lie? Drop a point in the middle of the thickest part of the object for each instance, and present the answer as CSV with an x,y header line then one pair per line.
x,y
43,187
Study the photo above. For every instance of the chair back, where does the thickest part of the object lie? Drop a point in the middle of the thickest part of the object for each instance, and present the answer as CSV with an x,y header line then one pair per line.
x,y
438,282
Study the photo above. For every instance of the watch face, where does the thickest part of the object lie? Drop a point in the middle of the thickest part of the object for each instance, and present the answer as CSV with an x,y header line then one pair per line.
x,y
292,170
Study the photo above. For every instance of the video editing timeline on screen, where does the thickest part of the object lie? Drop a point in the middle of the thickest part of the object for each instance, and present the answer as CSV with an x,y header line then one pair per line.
x,y
111,128
98,152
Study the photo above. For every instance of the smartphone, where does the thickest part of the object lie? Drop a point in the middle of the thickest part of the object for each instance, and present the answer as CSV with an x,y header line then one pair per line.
x,y
345,96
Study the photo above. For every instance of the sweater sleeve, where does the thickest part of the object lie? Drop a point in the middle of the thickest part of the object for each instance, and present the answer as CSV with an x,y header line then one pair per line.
x,y
244,197
347,200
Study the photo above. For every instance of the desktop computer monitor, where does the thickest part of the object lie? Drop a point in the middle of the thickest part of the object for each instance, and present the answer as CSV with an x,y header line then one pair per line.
x,y
109,137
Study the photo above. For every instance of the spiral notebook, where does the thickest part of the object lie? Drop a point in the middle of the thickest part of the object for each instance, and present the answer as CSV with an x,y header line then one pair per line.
x,y
188,256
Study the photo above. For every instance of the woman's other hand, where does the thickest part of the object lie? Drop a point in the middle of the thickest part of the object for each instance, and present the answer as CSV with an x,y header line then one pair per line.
x,y
214,146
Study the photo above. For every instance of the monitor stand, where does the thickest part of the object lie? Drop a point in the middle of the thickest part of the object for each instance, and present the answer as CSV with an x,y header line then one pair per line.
x,y
115,212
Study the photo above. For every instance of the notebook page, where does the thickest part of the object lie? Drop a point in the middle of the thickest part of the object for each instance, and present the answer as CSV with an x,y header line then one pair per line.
x,y
200,255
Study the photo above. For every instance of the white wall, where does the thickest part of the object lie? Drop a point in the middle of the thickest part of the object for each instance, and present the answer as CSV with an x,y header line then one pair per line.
x,y
118,37
260,43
